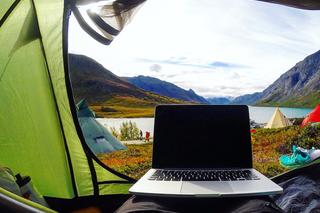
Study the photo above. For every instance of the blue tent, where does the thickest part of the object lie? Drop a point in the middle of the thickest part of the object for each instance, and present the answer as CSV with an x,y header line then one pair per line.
x,y
98,138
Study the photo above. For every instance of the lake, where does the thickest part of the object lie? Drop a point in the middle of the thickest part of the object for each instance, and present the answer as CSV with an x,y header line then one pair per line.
x,y
258,114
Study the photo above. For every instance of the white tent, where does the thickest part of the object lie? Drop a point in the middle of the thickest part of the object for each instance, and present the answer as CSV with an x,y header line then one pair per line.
x,y
278,120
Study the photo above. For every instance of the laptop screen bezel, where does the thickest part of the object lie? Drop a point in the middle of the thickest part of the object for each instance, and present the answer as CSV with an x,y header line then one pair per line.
x,y
156,159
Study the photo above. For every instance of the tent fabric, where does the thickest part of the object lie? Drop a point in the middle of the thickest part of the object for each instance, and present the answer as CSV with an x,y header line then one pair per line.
x,y
83,110
56,49
278,120
312,117
98,138
31,140
296,183
5,7
40,132
23,204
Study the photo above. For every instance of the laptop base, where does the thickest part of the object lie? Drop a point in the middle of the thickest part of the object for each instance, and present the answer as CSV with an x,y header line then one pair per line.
x,y
146,187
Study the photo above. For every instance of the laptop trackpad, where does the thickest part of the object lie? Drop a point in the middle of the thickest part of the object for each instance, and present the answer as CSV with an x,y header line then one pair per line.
x,y
203,187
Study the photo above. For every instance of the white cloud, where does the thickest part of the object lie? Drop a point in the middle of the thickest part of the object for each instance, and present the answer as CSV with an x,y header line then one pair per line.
x,y
185,37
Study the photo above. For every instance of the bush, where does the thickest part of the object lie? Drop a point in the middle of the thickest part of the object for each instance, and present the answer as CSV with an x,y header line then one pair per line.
x,y
129,131
115,132
307,138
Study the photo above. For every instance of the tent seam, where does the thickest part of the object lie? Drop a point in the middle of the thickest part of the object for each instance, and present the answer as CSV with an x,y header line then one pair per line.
x,y
88,152
71,100
57,109
7,14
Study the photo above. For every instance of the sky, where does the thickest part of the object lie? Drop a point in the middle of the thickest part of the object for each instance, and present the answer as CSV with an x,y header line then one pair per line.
x,y
216,48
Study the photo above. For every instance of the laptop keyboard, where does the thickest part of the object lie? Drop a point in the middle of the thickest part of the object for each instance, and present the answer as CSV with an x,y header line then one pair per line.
x,y
198,175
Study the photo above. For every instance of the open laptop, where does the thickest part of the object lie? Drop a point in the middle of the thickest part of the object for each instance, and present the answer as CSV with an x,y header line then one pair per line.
x,y
203,151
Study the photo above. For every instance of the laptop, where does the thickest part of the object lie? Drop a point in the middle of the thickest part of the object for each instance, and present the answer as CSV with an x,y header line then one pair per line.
x,y
203,151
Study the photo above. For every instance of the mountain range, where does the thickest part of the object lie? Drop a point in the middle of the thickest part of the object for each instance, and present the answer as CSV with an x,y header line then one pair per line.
x,y
108,94
298,87
220,100
165,88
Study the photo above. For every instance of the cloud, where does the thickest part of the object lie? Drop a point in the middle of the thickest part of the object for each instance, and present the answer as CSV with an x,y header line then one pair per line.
x,y
231,49
187,62
155,68
227,65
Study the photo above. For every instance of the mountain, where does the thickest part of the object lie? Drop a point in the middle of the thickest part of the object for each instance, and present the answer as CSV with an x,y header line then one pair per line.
x,y
249,99
220,100
165,88
299,86
108,94
92,81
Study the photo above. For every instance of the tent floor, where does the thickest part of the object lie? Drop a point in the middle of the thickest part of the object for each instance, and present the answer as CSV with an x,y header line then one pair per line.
x,y
101,203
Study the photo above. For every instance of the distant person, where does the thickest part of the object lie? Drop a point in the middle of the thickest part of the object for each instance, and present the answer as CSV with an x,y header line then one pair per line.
x,y
147,136
141,134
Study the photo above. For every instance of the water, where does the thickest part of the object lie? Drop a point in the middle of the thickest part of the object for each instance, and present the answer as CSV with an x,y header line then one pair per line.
x,y
258,114
263,114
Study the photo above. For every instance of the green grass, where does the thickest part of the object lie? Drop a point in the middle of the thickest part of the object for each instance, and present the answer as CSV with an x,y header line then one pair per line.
x,y
131,107
308,101
133,162
267,146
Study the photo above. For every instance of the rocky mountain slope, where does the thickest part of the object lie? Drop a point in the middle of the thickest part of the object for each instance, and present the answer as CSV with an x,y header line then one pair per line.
x,y
299,86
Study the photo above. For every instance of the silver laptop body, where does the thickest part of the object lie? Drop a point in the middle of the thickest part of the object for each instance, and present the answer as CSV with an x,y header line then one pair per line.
x,y
203,151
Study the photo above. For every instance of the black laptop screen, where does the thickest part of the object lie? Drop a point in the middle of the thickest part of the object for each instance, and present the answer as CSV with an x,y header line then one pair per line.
x,y
202,136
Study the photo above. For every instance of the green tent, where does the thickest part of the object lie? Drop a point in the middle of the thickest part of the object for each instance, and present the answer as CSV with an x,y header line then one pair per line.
x,y
40,132
98,138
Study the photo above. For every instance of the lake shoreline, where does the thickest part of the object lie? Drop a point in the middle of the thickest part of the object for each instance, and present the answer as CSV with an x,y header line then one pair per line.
x,y
260,115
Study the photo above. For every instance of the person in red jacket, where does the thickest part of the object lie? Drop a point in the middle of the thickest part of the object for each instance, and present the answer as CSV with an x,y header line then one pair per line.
x,y
147,136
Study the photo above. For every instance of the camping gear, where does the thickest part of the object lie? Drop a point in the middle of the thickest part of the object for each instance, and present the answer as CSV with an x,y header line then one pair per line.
x,y
314,153
312,117
8,182
20,186
299,157
278,120
186,205
301,193
40,132
28,191
97,137
301,189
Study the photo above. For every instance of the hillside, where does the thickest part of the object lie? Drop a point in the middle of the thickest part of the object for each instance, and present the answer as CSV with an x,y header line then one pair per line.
x,y
165,88
109,95
249,99
299,86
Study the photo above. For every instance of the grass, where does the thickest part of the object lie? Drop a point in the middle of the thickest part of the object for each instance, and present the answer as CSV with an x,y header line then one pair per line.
x,y
130,107
267,146
133,162
310,100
